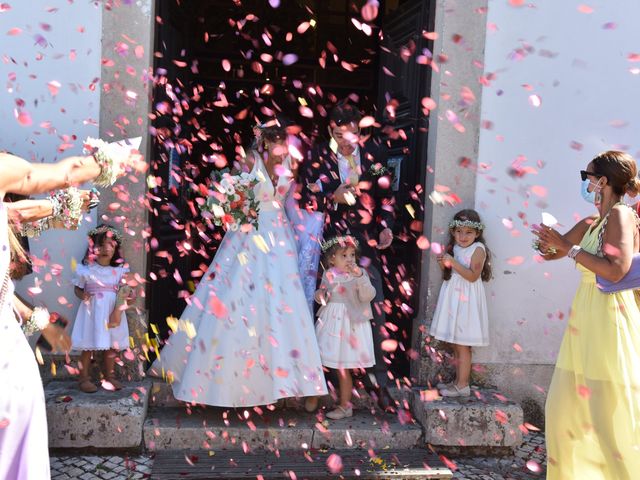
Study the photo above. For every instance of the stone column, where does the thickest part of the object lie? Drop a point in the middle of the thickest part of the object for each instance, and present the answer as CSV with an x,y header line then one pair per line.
x,y
125,103
452,151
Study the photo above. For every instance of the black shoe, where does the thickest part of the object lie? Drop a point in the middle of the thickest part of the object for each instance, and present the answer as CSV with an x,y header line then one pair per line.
x,y
385,401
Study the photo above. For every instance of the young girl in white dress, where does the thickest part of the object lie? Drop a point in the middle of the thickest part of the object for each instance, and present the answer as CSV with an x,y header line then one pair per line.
x,y
343,328
101,322
461,314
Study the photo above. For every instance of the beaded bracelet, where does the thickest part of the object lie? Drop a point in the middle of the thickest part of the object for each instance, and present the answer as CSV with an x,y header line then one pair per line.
x,y
66,208
34,229
37,322
107,158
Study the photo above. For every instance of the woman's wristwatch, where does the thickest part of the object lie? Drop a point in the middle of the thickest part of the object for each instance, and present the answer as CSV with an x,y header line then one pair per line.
x,y
574,251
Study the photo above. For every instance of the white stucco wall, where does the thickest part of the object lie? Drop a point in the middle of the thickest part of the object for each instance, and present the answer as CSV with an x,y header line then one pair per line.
x,y
578,64
68,53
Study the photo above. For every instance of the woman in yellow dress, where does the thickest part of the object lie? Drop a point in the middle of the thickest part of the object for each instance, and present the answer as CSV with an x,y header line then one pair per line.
x,y
593,405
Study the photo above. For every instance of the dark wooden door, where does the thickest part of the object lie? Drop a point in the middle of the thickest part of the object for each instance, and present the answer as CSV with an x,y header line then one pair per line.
x,y
403,81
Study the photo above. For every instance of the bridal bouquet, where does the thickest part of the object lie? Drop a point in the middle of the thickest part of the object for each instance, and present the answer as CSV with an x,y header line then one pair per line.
x,y
232,201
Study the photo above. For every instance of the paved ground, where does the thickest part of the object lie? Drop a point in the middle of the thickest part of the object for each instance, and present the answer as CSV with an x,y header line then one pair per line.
x,y
528,463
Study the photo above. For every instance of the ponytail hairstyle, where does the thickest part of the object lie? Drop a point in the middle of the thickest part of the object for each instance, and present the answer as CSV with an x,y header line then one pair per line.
x,y
620,170
468,218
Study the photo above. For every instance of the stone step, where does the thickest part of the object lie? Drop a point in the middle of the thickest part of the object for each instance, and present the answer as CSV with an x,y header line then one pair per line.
x,y
260,428
486,419
418,464
62,367
162,396
98,421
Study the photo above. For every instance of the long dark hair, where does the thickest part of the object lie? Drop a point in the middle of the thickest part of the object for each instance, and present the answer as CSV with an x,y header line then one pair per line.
x,y
469,215
97,237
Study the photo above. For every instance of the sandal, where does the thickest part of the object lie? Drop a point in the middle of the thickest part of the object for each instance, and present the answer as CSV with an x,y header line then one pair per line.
x,y
86,385
340,412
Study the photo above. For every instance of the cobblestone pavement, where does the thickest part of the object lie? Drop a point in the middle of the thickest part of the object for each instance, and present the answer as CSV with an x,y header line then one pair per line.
x,y
100,467
514,467
529,462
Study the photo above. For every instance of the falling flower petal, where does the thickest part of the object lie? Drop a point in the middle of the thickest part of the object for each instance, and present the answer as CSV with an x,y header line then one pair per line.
x,y
334,462
535,100
389,345
548,219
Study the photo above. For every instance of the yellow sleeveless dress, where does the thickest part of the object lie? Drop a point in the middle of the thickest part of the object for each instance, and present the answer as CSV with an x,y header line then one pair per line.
x,y
593,405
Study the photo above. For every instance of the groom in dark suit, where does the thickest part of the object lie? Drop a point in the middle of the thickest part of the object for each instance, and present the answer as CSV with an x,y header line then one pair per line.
x,y
347,178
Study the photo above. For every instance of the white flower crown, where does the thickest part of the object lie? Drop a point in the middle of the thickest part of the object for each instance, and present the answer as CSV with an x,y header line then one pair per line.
x,y
346,241
115,234
466,223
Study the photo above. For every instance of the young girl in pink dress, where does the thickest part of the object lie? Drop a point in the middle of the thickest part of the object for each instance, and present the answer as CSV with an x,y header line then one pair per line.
x,y
343,328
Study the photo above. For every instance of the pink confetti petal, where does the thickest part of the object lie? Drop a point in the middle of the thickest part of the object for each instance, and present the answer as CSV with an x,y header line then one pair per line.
x,y
217,307
584,391
534,466
423,242
334,462
23,118
389,345
516,260
585,9
54,87
289,59
369,11
14,31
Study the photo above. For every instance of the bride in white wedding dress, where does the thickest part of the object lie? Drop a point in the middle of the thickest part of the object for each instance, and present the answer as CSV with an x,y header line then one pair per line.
x,y
246,337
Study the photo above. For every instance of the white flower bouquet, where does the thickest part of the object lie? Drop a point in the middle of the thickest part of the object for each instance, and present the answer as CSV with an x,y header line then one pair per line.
x,y
232,201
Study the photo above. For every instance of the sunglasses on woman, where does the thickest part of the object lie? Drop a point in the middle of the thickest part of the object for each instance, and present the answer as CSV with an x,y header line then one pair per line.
x,y
584,174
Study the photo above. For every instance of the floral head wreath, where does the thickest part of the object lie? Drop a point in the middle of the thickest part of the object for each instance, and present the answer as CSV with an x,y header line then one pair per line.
x,y
115,234
347,241
466,223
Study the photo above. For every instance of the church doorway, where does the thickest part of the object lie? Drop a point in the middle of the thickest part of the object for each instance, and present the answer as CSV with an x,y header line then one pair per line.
x,y
220,64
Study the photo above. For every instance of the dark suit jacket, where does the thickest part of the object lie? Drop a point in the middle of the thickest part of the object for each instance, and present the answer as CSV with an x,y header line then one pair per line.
x,y
373,210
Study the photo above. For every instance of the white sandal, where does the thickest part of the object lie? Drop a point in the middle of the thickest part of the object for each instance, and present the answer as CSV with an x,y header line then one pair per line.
x,y
340,413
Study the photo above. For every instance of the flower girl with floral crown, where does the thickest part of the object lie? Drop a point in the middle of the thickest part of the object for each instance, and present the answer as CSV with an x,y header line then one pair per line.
x,y
461,314
344,319
101,323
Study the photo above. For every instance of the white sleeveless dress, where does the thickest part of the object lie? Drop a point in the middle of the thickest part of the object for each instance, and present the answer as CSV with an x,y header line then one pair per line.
x,y
247,336
24,450
461,314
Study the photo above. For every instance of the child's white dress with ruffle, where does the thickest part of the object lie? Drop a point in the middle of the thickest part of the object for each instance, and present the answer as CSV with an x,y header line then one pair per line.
x,y
90,330
343,328
461,314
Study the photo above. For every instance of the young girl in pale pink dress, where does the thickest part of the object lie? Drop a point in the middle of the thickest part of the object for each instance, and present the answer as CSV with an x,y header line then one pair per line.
x,y
343,328
101,323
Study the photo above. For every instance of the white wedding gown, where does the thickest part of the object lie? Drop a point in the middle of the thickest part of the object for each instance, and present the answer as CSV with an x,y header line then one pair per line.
x,y
246,337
